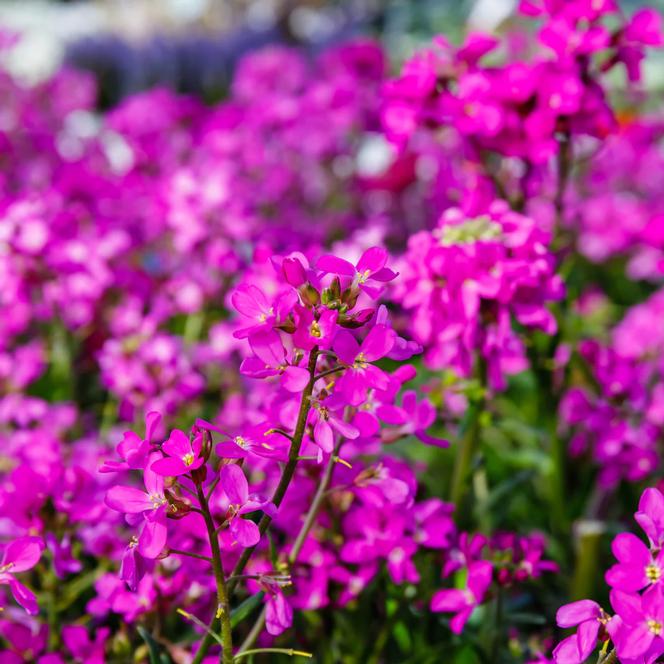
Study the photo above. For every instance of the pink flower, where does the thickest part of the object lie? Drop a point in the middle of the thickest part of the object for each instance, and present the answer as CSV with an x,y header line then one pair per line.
x,y
151,503
370,267
236,488
21,555
641,625
463,602
82,647
637,567
270,360
645,27
650,516
589,617
132,449
252,440
183,455
314,330
278,613
325,422
360,375
418,417
252,303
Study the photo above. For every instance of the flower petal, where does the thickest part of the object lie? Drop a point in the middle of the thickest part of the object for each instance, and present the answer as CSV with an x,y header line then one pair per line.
x,y
234,484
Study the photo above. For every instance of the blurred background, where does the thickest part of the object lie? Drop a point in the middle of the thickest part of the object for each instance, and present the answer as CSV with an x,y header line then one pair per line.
x,y
192,46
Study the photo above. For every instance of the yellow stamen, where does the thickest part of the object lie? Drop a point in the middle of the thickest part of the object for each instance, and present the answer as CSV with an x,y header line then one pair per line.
x,y
360,362
653,572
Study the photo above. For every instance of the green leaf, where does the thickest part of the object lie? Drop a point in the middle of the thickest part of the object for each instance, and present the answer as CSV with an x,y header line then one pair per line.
x,y
402,637
239,613
156,656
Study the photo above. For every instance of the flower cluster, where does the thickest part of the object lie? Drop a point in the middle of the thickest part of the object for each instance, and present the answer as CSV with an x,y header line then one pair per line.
x,y
467,281
506,559
634,627
321,352
617,412
502,117
615,205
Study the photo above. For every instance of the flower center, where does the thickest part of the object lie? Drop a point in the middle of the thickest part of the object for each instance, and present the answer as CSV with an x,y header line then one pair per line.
x,y
654,627
363,276
157,500
6,568
469,232
315,331
360,362
653,572
397,555
188,459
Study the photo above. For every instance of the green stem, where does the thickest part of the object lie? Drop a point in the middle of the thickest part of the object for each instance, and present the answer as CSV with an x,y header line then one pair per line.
x,y
315,506
254,633
496,638
466,452
289,470
589,538
223,611
558,451
280,492
178,552
207,641
52,611
309,520
282,651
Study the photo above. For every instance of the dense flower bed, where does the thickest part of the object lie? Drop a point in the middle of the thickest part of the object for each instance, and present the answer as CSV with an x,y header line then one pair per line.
x,y
349,367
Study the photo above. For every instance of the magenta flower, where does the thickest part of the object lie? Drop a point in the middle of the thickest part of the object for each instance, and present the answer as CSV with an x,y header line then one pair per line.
x,y
252,303
133,450
253,440
463,602
589,617
270,360
370,268
645,28
360,375
151,503
313,330
183,455
63,561
650,516
403,349
133,565
325,422
21,555
637,567
278,613
263,314
418,417
293,271
82,647
236,488
640,629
